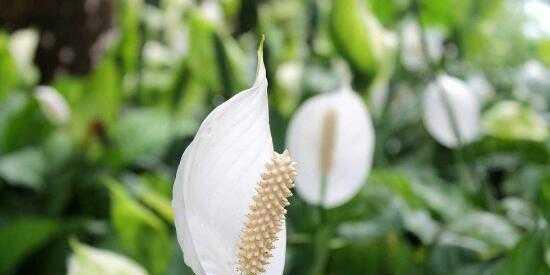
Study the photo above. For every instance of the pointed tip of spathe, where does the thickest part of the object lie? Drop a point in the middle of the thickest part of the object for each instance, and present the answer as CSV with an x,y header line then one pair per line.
x,y
261,48
261,44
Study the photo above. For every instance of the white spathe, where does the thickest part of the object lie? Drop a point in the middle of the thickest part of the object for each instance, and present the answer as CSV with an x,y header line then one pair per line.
x,y
53,104
23,44
464,105
412,56
87,260
216,182
352,150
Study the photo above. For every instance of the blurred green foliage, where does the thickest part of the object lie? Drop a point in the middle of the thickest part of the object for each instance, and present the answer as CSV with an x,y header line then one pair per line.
x,y
105,175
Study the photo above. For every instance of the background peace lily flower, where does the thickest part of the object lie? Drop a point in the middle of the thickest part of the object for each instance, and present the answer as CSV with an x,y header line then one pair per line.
x,y
23,46
87,260
331,136
412,55
222,176
463,104
53,104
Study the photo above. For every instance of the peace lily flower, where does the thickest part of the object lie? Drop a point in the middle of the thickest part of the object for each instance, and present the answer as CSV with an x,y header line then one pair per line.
x,y
53,104
481,87
332,139
463,104
231,190
23,45
87,260
412,55
532,84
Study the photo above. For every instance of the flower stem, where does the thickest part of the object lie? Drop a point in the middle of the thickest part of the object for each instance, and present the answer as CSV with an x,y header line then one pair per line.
x,y
322,236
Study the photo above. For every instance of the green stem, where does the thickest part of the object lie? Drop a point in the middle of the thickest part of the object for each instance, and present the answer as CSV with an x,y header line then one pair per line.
x,y
321,250
323,234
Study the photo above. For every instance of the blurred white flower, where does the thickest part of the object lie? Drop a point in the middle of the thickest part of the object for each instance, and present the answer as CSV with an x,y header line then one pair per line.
x,y
23,45
481,87
168,19
510,120
87,260
537,15
289,76
156,54
533,83
332,138
231,188
212,11
53,104
464,107
412,55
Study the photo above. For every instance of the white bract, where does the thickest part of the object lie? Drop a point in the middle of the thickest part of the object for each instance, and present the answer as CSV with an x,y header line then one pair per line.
x,y
23,44
463,106
53,104
481,87
87,260
532,84
289,76
219,186
412,55
537,19
331,137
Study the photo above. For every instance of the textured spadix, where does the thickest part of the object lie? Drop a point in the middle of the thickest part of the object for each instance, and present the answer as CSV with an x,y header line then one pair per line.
x,y
217,180
463,103
331,136
266,215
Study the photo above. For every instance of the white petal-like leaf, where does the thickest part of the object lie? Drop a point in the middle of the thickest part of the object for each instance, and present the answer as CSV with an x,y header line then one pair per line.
x,y
464,105
87,260
216,181
351,152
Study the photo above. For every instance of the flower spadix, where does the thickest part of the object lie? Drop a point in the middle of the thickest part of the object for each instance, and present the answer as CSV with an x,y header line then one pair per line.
x,y
332,139
231,190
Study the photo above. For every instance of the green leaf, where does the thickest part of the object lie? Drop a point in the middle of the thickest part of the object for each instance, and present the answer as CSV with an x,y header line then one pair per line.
x,y
202,55
162,205
527,257
141,135
511,120
445,13
129,14
215,59
8,71
544,196
95,99
22,123
21,237
358,35
141,233
483,232
26,168
103,93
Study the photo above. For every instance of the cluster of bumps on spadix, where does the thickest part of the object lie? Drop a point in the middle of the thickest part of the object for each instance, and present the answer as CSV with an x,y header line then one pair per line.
x,y
266,215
